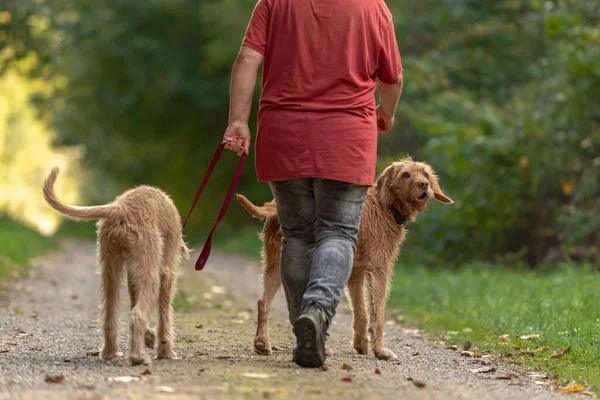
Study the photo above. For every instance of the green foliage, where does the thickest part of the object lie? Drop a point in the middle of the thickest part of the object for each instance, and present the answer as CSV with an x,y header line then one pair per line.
x,y
18,245
491,307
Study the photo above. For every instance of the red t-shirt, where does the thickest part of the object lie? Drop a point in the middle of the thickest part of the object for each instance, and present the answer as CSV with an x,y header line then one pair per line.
x,y
317,109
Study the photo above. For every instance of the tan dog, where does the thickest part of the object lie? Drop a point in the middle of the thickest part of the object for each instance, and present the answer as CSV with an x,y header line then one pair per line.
x,y
401,192
138,233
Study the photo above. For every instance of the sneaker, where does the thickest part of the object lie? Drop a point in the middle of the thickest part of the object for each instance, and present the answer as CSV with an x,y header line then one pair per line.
x,y
311,331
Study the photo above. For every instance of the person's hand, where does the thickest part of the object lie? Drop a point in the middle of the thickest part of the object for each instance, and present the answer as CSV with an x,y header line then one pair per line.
x,y
384,121
237,138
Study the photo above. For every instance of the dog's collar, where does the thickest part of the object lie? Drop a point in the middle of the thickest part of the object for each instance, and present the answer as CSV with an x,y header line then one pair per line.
x,y
399,218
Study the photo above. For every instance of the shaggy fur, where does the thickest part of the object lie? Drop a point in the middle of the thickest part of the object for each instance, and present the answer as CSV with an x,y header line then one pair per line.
x,y
406,185
139,234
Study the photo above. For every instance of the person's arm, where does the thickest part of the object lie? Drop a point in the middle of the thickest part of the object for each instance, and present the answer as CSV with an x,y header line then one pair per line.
x,y
389,96
243,81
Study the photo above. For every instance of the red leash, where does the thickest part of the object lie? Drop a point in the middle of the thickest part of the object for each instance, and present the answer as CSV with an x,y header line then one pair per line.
x,y
208,244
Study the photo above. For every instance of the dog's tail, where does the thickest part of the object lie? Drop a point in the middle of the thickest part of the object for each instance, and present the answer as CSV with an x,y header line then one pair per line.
x,y
260,212
76,213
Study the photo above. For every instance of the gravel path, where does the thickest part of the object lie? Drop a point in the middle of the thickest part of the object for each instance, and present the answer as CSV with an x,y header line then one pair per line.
x,y
49,328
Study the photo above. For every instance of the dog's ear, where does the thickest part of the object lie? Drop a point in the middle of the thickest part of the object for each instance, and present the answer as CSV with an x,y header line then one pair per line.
x,y
383,189
437,190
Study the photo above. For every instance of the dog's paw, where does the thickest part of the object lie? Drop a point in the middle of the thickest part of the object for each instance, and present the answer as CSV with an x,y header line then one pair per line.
x,y
108,354
149,338
361,344
139,359
262,347
383,353
164,354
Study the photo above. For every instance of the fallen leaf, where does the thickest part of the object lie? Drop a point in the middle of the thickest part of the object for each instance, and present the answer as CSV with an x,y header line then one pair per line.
x,y
93,354
508,376
222,357
164,389
453,347
377,371
347,379
22,335
504,337
54,378
465,353
347,367
256,375
146,372
201,354
12,343
3,351
18,311
124,379
199,326
437,388
571,389
541,383
528,337
467,330
483,370
416,353
36,348
419,384
217,289
324,368
467,346
561,351
528,352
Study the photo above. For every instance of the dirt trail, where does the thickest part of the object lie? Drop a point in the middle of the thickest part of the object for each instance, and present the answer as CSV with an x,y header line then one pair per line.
x,y
52,319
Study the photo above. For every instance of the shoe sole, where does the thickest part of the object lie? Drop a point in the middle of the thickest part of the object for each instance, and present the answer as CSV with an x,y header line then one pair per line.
x,y
307,351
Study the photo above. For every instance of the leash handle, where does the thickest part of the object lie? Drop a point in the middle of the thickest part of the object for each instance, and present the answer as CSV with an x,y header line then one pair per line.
x,y
201,262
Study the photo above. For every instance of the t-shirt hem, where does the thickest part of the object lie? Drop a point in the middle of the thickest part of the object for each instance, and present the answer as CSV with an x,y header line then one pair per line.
x,y
334,177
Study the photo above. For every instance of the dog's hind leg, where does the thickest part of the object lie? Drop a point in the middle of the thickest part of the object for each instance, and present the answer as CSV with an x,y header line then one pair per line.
x,y
111,269
149,337
146,265
271,284
166,334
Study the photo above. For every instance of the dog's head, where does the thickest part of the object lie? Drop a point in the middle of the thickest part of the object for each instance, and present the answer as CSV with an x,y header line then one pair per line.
x,y
408,185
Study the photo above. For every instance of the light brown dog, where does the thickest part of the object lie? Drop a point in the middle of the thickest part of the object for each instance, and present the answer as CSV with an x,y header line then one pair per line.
x,y
138,233
401,192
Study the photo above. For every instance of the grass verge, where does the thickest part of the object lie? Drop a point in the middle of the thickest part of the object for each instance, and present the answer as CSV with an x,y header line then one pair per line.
x,y
504,310
18,245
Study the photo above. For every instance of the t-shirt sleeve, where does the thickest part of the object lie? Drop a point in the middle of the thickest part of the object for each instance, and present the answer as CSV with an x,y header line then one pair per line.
x,y
390,63
256,36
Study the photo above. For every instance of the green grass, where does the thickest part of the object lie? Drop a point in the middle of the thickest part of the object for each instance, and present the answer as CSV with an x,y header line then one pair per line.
x,y
18,245
562,306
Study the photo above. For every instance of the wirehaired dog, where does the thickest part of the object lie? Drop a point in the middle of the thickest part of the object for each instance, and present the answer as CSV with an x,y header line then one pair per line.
x,y
401,192
139,234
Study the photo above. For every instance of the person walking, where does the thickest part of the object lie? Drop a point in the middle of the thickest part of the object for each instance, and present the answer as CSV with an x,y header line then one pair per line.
x,y
316,142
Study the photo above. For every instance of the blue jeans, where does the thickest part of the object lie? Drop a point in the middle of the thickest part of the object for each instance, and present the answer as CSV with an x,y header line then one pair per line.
x,y
319,221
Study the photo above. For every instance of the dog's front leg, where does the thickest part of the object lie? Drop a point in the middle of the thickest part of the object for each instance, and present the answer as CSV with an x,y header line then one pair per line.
x,y
360,319
379,287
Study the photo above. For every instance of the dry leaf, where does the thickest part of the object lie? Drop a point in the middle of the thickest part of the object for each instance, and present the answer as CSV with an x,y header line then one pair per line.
x,y
416,353
419,384
437,388
11,343
531,336
483,370
528,352
560,352
324,368
377,371
3,351
347,379
146,372
92,353
467,330
255,375
164,389
508,376
453,347
222,357
199,326
124,379
571,389
467,353
54,378
347,367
